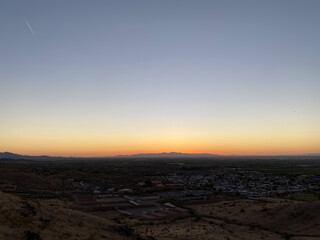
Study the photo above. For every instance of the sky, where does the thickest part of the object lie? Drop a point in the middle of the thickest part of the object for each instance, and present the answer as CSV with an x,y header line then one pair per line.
x,y
101,78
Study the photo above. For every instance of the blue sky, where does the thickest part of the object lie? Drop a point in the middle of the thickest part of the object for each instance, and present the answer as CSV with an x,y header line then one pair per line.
x,y
122,71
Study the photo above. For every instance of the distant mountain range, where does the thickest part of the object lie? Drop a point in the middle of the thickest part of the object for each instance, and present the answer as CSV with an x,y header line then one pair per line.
x,y
9,155
168,155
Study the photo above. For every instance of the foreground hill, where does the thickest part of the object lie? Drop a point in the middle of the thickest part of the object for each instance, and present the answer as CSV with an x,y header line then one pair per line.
x,y
270,219
49,219
291,219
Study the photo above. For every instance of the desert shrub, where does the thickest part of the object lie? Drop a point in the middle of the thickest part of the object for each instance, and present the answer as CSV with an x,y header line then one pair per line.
x,y
124,230
29,235
150,238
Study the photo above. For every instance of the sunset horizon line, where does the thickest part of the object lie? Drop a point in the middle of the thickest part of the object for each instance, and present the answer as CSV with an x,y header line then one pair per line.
x,y
157,153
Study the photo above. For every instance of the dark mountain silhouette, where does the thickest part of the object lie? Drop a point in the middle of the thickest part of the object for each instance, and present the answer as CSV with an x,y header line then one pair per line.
x,y
169,155
9,155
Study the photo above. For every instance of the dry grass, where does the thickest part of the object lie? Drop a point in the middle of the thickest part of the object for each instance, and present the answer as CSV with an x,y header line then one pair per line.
x,y
234,220
49,219
288,217
205,229
279,219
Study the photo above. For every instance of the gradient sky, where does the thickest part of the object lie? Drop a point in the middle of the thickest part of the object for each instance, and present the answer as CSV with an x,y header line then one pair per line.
x,y
119,77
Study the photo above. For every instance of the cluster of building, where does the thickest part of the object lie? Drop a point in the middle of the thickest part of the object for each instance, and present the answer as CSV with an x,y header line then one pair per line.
x,y
228,181
146,206
157,198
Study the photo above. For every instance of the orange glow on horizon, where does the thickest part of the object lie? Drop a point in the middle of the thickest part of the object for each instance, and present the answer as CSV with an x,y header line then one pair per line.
x,y
98,149
86,143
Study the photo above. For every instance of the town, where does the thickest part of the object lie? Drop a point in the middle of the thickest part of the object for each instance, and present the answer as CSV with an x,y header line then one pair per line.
x,y
158,189
161,198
